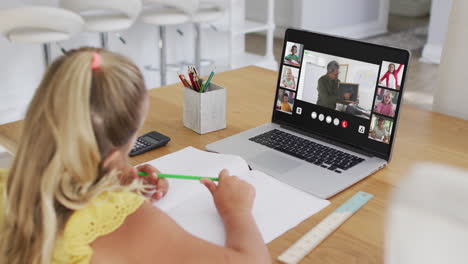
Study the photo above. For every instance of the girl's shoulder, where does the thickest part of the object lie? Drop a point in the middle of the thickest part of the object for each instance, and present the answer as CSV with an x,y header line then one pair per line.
x,y
103,215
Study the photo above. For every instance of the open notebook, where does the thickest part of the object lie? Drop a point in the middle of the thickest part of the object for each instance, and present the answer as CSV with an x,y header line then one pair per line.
x,y
277,207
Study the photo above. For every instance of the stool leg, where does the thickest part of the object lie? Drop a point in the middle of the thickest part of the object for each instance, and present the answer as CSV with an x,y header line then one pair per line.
x,y
47,54
162,55
197,46
104,40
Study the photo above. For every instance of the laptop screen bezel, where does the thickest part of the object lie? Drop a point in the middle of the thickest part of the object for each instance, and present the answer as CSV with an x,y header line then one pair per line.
x,y
310,34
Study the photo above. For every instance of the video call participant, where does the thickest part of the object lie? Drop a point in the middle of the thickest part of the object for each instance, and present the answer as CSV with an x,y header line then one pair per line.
x,y
379,132
289,81
328,86
391,77
285,106
293,58
385,107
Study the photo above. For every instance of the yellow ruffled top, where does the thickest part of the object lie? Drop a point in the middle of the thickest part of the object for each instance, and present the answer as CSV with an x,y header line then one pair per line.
x,y
102,216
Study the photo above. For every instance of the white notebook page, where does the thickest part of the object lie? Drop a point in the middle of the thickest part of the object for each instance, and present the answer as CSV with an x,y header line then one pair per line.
x,y
278,207
193,162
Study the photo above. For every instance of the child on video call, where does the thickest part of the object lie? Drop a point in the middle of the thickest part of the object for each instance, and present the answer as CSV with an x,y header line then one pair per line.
x,y
385,107
379,131
289,81
285,106
391,77
292,58
71,195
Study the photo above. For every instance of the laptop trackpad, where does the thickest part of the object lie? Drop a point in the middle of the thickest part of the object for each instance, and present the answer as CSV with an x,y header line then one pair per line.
x,y
274,162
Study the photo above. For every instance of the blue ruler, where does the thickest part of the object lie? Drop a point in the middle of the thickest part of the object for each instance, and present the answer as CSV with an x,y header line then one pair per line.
x,y
320,232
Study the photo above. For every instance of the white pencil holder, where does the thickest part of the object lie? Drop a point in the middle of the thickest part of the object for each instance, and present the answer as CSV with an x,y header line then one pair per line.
x,y
205,112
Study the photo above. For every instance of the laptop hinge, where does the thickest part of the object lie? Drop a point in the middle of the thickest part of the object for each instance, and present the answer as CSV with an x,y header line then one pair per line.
x,y
327,140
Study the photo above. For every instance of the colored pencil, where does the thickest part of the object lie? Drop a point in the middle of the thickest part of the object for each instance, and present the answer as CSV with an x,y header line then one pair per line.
x,y
174,176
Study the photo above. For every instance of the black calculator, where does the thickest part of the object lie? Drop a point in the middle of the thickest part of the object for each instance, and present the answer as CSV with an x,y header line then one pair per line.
x,y
147,142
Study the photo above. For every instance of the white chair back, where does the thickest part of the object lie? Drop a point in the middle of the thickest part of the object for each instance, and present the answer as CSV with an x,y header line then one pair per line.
x,y
428,217
41,23
129,8
187,6
221,5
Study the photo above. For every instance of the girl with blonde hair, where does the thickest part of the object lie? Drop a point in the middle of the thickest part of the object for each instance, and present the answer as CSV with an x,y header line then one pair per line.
x,y
386,107
71,196
289,81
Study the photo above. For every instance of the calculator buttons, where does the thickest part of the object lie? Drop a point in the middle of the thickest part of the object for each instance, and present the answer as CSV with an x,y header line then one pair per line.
x,y
148,142
139,144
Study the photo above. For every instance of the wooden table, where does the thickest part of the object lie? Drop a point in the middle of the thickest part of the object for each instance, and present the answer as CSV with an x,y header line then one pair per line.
x,y
422,136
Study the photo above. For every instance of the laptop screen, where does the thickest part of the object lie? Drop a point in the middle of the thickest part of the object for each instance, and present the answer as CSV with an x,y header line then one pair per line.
x,y
341,89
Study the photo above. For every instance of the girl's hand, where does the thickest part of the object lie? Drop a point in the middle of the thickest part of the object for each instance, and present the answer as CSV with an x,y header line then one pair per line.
x,y
231,195
159,185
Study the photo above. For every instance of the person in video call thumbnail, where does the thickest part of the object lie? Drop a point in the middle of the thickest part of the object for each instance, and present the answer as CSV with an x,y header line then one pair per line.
x,y
328,86
385,107
391,77
289,81
292,58
285,106
379,132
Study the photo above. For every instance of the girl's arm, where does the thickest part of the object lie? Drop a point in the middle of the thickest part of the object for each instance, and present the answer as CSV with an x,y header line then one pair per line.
x,y
294,83
399,68
385,76
151,236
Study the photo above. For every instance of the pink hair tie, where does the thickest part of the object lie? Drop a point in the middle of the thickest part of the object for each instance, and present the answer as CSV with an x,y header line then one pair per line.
x,y
97,61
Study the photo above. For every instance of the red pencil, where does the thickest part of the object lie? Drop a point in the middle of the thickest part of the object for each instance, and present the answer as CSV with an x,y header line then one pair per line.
x,y
194,84
197,82
184,81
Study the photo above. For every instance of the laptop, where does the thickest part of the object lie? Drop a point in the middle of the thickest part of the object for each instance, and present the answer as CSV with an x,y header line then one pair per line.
x,y
334,117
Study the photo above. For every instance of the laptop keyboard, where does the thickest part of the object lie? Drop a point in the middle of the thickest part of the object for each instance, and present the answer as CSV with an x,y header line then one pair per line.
x,y
307,150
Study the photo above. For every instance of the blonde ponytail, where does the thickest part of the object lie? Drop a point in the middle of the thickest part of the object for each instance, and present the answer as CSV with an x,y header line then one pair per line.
x,y
77,116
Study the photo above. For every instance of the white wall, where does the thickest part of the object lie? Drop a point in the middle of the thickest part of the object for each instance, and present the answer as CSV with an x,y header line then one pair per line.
x,y
451,93
355,19
440,12
286,13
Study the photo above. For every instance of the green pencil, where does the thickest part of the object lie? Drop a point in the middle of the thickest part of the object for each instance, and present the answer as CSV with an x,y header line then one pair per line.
x,y
172,176
207,83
